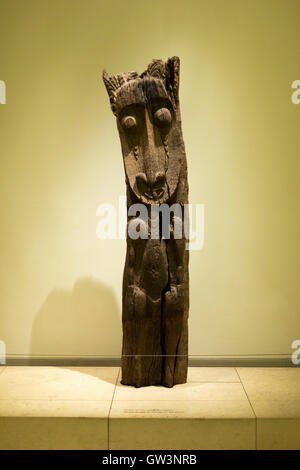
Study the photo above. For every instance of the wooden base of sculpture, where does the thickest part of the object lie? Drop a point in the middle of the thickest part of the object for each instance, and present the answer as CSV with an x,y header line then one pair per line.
x,y
155,283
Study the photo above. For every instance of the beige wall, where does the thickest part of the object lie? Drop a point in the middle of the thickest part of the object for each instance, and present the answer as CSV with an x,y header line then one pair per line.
x,y
61,158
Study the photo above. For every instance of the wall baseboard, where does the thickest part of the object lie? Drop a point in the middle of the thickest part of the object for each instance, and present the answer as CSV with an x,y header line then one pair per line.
x,y
283,360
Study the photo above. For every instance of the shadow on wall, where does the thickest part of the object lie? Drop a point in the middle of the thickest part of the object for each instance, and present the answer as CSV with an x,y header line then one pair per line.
x,y
79,322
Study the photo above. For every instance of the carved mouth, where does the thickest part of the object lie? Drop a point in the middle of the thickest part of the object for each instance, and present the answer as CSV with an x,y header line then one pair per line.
x,y
151,190
155,194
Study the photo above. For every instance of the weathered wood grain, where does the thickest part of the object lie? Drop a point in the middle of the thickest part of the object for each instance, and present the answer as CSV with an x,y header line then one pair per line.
x,y
155,282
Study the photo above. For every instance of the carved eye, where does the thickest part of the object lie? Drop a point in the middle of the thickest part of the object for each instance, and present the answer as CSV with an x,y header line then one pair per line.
x,y
129,123
163,118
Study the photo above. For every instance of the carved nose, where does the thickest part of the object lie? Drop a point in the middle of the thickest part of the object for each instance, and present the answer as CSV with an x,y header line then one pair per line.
x,y
158,180
151,187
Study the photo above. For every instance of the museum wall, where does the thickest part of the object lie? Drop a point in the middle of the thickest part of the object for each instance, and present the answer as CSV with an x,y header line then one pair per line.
x,y
61,158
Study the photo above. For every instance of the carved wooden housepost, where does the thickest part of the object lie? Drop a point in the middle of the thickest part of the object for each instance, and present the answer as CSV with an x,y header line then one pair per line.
x,y
155,283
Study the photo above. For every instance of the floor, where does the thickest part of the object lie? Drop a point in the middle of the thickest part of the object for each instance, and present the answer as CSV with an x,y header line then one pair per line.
x,y
88,408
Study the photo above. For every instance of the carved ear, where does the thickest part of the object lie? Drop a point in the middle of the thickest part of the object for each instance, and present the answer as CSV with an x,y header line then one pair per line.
x,y
111,87
172,77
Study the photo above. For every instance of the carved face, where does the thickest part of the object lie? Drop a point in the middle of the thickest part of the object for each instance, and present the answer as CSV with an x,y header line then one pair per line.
x,y
149,126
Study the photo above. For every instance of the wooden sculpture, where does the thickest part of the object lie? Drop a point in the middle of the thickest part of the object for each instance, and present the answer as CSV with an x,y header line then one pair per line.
x,y
155,283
